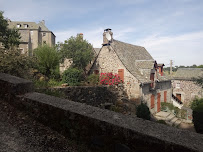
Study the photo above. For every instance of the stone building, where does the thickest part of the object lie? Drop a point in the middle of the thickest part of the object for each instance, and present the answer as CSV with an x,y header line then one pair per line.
x,y
183,86
139,71
32,35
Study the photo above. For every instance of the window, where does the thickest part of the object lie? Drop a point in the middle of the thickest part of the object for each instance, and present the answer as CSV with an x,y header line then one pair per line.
x,y
44,34
44,42
178,85
18,25
152,101
25,25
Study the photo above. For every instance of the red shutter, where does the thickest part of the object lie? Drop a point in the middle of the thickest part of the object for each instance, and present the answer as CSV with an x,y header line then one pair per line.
x,y
158,102
165,96
152,101
121,74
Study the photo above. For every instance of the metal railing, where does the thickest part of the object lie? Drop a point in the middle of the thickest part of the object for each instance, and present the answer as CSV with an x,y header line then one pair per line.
x,y
176,99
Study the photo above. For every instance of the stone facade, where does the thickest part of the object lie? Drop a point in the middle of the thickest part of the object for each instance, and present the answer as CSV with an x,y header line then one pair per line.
x,y
187,89
32,35
135,66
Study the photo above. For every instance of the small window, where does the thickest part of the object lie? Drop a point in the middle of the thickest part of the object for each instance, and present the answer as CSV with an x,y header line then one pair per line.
x,y
178,85
44,42
25,25
18,25
44,34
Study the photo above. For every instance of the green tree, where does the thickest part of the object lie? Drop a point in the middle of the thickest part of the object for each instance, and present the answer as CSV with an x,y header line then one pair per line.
x,y
47,60
10,38
198,118
77,49
196,102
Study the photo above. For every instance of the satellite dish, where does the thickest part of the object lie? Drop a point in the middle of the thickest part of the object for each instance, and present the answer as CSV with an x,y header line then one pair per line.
x,y
108,36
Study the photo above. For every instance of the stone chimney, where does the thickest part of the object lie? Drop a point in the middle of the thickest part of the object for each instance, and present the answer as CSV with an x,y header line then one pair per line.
x,y
80,35
43,21
107,37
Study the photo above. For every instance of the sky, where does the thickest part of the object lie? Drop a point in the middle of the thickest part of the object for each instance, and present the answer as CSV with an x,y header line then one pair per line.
x,y
168,29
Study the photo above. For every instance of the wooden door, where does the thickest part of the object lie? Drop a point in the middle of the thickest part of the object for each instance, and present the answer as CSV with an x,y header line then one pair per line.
x,y
121,74
165,96
178,96
152,101
158,102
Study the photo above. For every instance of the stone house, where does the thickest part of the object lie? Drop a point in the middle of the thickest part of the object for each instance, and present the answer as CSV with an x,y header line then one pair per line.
x,y
183,86
143,78
32,35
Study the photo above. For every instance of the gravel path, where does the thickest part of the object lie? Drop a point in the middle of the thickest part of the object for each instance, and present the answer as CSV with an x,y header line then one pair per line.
x,y
20,133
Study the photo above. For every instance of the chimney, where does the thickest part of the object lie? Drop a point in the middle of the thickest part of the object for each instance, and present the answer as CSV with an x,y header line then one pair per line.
x,y
43,21
80,35
107,36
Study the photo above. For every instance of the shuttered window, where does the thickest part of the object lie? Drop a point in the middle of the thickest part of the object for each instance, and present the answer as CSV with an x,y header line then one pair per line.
x,y
121,74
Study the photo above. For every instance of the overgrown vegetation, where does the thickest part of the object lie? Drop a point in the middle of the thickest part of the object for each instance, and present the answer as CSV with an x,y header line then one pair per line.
x,y
142,111
93,79
198,118
196,102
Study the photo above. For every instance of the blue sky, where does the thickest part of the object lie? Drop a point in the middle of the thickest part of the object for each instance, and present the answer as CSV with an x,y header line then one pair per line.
x,y
168,29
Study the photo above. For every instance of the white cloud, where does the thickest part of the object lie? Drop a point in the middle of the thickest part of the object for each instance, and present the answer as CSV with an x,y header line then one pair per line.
x,y
185,49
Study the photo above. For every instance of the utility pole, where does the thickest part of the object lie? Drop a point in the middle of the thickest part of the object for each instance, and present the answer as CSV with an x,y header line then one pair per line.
x,y
171,63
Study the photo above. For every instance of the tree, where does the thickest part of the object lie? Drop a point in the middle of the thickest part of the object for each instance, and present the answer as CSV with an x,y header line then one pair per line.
x,y
77,49
47,60
198,118
10,38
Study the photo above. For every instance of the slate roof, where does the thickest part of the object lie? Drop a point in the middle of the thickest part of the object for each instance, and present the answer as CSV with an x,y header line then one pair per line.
x,y
136,59
43,27
188,73
31,25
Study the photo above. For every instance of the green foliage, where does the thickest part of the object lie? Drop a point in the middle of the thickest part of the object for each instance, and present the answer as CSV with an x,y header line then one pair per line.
x,y
15,63
198,118
142,111
196,102
77,49
165,105
40,84
47,61
93,79
72,76
10,38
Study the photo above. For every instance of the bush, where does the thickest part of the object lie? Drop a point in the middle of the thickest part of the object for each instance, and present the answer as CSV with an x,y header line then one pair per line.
x,y
14,63
198,118
93,79
72,76
196,102
142,111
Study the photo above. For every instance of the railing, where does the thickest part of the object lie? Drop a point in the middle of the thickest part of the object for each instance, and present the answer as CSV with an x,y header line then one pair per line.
x,y
176,99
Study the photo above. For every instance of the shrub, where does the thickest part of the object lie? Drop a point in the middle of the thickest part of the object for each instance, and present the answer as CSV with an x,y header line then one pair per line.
x,y
196,102
14,63
93,79
198,118
110,79
72,76
142,111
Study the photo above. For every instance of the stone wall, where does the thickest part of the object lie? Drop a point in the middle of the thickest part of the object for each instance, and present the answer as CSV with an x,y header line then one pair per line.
x,y
108,61
188,90
161,87
101,129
